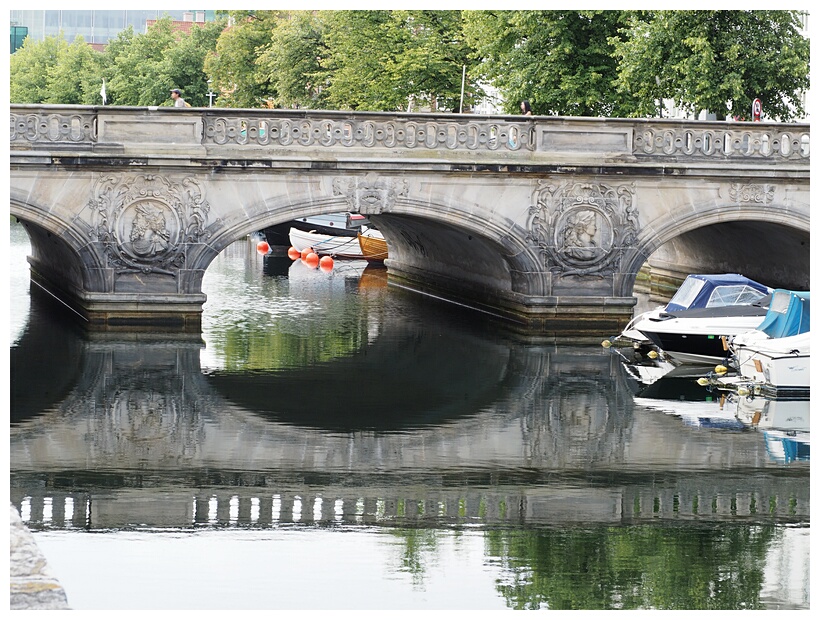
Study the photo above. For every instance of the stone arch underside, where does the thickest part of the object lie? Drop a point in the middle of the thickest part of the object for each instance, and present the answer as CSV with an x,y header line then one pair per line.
x,y
58,248
427,239
767,243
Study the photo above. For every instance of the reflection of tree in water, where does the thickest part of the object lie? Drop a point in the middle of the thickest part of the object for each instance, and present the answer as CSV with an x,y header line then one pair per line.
x,y
417,542
634,567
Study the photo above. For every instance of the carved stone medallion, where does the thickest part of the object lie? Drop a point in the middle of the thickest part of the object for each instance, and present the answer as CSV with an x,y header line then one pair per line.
x,y
145,221
751,192
582,228
369,195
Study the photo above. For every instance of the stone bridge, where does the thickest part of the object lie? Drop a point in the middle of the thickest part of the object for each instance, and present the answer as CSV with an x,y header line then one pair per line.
x,y
545,221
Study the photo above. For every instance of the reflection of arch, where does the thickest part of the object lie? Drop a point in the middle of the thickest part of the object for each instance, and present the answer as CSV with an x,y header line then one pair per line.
x,y
52,340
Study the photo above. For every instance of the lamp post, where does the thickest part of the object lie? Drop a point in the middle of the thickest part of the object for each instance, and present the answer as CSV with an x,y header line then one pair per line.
x,y
211,95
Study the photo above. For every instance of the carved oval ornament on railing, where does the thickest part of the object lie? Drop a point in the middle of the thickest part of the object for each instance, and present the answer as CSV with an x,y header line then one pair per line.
x,y
754,143
496,135
74,128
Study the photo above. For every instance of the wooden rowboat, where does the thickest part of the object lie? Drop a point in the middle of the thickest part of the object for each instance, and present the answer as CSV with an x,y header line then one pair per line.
x,y
373,245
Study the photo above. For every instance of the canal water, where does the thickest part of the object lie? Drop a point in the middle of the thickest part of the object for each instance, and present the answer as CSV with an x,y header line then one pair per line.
x,y
333,441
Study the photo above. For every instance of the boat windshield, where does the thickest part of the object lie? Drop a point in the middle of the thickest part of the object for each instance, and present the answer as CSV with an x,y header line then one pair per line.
x,y
696,292
733,295
687,292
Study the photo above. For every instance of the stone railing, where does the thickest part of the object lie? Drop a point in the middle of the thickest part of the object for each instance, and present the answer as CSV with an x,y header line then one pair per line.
x,y
53,127
81,126
402,134
732,141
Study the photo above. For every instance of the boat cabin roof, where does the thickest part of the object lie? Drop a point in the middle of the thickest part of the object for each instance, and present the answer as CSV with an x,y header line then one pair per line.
x,y
716,291
788,314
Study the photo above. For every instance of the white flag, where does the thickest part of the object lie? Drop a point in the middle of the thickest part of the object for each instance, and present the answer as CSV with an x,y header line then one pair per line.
x,y
102,92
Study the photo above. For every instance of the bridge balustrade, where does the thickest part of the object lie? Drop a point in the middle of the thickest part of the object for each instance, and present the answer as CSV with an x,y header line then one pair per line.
x,y
58,125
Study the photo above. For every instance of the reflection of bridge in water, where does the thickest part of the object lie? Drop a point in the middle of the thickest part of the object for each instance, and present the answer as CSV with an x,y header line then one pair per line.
x,y
402,504
137,435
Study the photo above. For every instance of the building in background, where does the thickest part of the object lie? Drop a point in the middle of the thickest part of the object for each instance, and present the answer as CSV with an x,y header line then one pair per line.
x,y
96,27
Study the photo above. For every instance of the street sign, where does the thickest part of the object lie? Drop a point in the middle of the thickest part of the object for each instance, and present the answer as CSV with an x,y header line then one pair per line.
x,y
757,110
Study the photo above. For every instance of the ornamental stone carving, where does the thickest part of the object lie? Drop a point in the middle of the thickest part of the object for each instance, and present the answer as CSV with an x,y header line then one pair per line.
x,y
145,221
751,192
729,142
369,195
398,133
583,228
73,128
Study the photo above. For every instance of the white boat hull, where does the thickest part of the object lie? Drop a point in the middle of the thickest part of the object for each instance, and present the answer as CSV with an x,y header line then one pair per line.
x,y
779,363
326,245
696,341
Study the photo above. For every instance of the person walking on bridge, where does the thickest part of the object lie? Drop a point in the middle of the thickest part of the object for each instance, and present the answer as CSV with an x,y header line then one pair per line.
x,y
179,102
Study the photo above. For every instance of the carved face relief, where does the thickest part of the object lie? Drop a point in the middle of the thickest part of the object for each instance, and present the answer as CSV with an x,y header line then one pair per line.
x,y
583,235
370,195
145,221
149,227
582,228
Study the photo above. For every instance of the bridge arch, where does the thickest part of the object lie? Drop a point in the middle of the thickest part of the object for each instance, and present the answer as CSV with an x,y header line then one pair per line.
x,y
423,235
716,237
57,244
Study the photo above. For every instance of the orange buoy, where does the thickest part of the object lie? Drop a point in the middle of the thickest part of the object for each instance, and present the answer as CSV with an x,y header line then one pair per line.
x,y
293,253
326,263
305,252
262,247
312,260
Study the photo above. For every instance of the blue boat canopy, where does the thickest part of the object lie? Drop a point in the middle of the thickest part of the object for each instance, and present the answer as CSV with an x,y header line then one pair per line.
x,y
715,291
788,314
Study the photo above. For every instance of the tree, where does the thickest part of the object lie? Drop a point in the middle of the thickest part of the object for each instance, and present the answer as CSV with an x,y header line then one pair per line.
x,y
183,63
234,64
291,62
560,61
714,60
75,78
391,60
30,67
136,63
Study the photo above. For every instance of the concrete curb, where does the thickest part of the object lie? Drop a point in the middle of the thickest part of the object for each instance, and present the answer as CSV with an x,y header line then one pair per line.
x,y
32,585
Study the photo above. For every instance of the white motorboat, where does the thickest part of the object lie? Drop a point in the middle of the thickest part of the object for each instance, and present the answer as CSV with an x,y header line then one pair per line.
x,y
337,246
712,291
776,355
706,310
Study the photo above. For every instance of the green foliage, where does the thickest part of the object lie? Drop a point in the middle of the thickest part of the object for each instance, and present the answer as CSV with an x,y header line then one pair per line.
x,y
138,67
183,62
234,64
73,78
30,69
291,61
560,61
714,60
395,60
575,63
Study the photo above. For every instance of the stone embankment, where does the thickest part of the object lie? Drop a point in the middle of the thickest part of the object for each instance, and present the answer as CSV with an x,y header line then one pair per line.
x,y
32,585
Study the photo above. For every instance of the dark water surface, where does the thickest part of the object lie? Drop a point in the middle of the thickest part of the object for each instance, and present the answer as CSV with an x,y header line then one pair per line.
x,y
333,442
